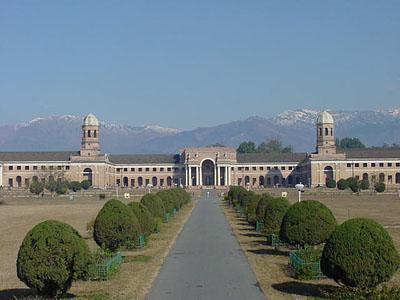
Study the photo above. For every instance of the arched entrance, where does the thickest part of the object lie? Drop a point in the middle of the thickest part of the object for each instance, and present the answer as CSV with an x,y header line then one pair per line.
x,y
88,175
154,181
397,177
328,172
207,170
126,181
19,181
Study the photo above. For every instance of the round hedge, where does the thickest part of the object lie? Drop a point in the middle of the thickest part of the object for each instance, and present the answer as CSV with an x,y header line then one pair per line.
x,y
342,184
307,223
234,192
360,253
144,217
183,197
275,210
53,255
154,204
330,183
170,200
260,211
250,201
116,226
380,187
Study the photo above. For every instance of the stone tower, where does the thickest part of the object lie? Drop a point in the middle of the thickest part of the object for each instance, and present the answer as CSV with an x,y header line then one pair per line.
x,y
90,145
325,134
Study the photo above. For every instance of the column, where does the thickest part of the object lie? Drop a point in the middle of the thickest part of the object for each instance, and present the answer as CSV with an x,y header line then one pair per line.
x,y
190,176
197,176
218,175
186,176
226,176
215,175
230,176
200,176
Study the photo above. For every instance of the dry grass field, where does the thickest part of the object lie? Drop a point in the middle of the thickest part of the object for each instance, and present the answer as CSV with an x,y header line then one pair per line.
x,y
19,215
270,265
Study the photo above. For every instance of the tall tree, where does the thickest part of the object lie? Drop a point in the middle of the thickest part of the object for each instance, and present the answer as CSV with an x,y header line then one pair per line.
x,y
247,147
274,146
350,143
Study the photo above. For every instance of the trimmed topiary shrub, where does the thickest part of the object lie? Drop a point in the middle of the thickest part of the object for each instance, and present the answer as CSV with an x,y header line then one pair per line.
x,y
116,226
61,187
275,210
354,184
342,184
380,187
234,192
330,183
154,204
86,184
250,206
360,253
364,184
51,257
260,211
307,223
75,186
170,200
36,187
144,217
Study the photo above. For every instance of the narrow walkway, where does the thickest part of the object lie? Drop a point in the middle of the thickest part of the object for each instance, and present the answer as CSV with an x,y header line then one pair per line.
x,y
206,261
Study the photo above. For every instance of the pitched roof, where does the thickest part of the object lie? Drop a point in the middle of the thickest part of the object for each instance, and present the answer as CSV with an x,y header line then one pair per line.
x,y
37,156
270,157
372,153
145,158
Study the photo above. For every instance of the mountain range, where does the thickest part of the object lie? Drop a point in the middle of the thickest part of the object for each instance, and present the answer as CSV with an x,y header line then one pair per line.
x,y
296,128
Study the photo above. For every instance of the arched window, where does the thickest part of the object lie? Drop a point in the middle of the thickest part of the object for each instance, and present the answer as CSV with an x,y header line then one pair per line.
x,y
381,177
125,181
276,180
95,133
169,181
328,171
397,177
19,181
331,131
154,181
140,181
326,131
247,180
365,176
89,133
320,132
261,181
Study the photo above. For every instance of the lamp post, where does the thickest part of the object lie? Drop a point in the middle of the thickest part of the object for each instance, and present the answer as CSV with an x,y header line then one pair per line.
x,y
300,189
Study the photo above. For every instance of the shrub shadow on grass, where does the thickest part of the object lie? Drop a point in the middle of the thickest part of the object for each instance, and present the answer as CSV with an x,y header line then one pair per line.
x,y
302,288
253,234
267,251
26,294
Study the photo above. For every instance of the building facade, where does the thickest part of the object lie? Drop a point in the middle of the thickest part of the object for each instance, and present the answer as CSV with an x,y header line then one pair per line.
x,y
201,166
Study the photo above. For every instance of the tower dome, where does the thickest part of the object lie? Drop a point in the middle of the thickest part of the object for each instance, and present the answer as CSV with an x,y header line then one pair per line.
x,y
90,120
324,118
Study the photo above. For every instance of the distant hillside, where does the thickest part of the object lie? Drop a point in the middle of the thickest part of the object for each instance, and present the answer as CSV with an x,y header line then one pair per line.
x,y
293,127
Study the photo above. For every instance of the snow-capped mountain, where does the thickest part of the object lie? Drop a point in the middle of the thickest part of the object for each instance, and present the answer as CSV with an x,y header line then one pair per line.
x,y
296,128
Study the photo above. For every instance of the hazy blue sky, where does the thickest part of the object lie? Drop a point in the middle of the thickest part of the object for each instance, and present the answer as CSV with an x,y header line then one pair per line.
x,y
190,63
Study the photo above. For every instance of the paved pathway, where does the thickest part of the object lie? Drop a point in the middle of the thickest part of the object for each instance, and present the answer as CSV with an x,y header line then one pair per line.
x,y
206,261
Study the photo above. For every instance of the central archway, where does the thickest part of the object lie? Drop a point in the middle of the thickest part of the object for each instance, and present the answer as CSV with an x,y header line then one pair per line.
x,y
88,175
207,170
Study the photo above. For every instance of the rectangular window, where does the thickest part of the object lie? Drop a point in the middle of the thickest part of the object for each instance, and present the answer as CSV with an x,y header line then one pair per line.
x,y
365,165
169,169
283,168
132,169
397,164
35,167
275,168
118,169
373,165
51,167
26,168
140,169
66,167
381,165
268,168
125,169
349,165
290,168
240,168
10,168
161,169
147,169
247,168
118,181
43,167
254,168
59,167
18,167
357,165
154,169
389,165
